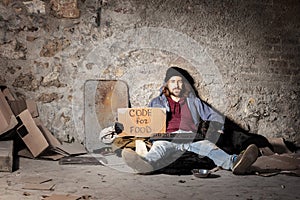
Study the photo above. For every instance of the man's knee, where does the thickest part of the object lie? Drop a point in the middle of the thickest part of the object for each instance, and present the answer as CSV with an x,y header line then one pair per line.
x,y
162,146
161,143
205,147
208,143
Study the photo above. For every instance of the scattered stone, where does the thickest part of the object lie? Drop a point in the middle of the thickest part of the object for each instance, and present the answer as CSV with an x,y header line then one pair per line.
x,y
35,6
47,98
52,47
13,50
6,2
31,38
26,81
65,9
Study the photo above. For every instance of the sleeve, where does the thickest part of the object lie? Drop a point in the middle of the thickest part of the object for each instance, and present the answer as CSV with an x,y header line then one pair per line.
x,y
207,113
157,102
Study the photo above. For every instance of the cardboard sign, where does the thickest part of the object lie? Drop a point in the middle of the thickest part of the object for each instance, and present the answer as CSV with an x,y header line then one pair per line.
x,y
142,122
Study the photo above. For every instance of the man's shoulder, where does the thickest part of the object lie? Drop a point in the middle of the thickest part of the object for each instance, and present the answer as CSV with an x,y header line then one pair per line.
x,y
157,100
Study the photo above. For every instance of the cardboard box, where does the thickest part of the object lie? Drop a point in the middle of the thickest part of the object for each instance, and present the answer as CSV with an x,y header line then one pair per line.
x,y
32,107
49,153
52,141
6,156
8,94
7,117
31,134
19,105
42,143
143,121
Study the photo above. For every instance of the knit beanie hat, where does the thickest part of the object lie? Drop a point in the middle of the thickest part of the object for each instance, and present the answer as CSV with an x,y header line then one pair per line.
x,y
174,71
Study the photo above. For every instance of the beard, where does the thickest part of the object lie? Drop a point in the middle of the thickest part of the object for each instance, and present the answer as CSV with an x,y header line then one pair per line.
x,y
176,92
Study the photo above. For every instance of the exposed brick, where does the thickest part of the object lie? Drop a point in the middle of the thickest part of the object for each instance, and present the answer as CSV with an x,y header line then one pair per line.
x,y
52,47
47,98
65,8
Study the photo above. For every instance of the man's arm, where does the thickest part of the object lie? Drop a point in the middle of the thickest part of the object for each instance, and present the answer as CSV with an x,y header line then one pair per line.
x,y
207,113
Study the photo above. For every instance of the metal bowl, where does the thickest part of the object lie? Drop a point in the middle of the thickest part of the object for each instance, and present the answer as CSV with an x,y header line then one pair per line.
x,y
201,173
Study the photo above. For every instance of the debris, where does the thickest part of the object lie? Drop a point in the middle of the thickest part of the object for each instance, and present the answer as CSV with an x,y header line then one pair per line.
x,y
26,194
35,179
61,197
34,186
79,160
35,6
65,10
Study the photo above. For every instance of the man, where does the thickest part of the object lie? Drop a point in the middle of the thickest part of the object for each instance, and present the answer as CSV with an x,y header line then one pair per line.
x,y
184,114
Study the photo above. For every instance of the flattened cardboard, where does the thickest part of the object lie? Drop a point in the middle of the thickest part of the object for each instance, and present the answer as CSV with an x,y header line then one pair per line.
x,y
7,118
32,107
143,121
49,155
31,134
79,160
54,156
70,149
34,186
25,153
35,179
62,197
53,142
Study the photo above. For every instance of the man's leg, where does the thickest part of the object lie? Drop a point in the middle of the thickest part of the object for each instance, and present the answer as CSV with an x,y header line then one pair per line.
x,y
209,149
156,158
159,150
163,153
238,164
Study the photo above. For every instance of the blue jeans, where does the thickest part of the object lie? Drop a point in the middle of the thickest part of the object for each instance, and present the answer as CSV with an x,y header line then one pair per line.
x,y
163,153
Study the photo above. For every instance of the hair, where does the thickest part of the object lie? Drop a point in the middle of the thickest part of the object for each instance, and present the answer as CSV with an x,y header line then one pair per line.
x,y
186,89
188,81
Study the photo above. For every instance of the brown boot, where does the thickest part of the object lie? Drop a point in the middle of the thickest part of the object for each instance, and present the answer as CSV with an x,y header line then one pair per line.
x,y
136,162
245,160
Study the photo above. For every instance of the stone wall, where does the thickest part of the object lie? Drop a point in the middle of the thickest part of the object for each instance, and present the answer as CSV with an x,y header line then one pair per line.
x,y
243,55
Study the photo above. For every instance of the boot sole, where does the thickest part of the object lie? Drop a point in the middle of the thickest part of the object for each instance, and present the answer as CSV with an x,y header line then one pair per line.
x,y
248,158
134,161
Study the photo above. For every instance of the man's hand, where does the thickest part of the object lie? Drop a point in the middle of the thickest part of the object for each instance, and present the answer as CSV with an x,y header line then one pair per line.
x,y
119,127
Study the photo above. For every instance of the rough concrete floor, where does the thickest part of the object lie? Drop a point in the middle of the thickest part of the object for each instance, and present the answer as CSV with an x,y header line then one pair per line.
x,y
102,182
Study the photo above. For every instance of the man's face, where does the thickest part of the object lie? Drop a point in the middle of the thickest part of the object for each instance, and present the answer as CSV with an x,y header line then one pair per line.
x,y
175,85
